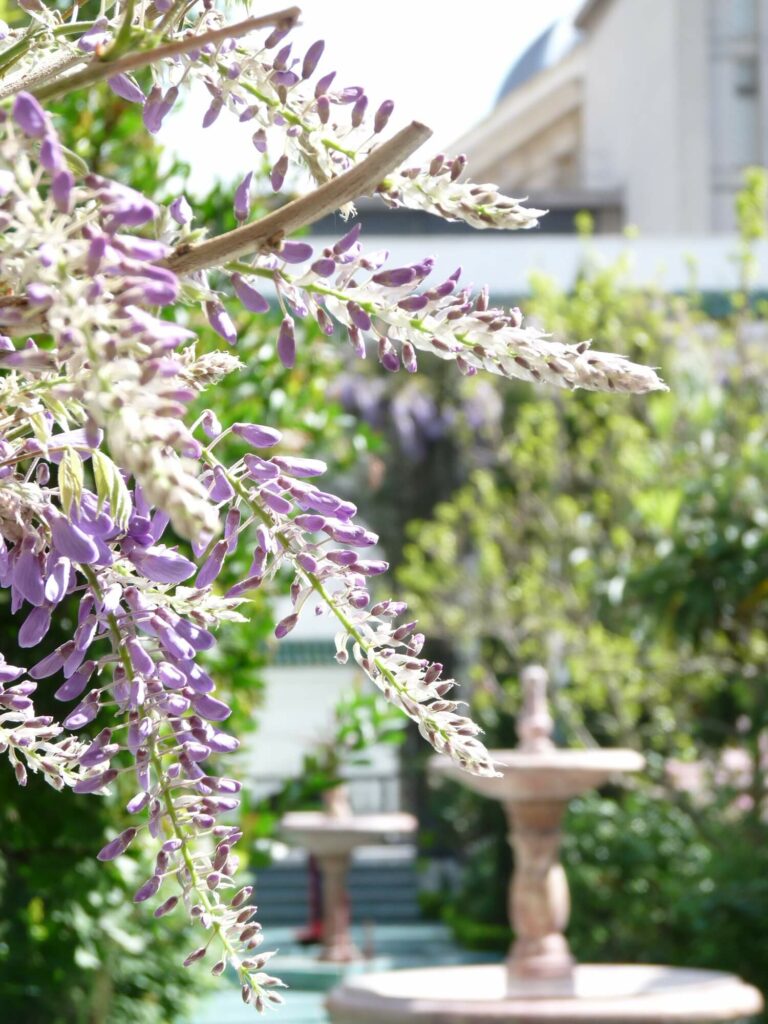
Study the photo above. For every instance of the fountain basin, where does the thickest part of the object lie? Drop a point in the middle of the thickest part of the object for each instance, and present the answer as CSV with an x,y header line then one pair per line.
x,y
608,993
549,775
324,835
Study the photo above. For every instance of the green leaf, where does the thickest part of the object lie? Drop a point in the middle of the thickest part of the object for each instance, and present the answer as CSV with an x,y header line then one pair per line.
x,y
111,488
70,480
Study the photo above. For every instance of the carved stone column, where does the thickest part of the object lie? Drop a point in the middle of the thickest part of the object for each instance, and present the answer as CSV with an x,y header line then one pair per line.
x,y
539,902
337,942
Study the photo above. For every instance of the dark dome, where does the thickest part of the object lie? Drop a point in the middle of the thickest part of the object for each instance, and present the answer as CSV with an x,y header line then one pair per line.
x,y
550,47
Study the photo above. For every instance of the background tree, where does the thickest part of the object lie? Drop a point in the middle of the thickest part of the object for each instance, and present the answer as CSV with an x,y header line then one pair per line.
x,y
624,546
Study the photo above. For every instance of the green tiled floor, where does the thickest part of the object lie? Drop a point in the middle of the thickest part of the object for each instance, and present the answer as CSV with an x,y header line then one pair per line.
x,y
228,1008
406,945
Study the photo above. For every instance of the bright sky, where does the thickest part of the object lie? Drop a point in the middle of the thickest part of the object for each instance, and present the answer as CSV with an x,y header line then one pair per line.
x,y
442,63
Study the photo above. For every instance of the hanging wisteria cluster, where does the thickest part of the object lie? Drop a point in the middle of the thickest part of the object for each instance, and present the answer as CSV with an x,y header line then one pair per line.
x,y
101,474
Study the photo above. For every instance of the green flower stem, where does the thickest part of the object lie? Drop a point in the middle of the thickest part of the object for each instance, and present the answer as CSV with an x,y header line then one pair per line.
x,y
312,579
321,289
176,10
177,828
290,116
123,39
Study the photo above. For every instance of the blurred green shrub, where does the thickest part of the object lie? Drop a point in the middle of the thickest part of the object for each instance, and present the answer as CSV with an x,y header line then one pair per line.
x,y
623,544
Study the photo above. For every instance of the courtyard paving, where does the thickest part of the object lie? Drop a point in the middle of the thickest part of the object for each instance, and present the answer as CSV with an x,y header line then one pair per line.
x,y
418,944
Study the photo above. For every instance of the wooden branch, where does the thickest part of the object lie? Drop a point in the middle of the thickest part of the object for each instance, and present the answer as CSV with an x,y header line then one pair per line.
x,y
359,180
100,69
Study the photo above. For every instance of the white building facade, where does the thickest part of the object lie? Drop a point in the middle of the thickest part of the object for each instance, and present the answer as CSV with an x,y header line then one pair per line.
x,y
303,687
644,111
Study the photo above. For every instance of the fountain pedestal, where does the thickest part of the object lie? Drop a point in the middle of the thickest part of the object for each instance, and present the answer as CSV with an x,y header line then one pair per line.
x,y
539,902
338,947
331,836
540,981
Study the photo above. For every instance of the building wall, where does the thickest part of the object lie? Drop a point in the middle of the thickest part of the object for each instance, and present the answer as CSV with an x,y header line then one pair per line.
x,y
534,132
737,115
659,107
297,715
646,111
676,106
549,157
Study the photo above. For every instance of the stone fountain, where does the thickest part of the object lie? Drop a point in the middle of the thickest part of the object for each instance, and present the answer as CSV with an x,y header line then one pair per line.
x,y
331,836
540,980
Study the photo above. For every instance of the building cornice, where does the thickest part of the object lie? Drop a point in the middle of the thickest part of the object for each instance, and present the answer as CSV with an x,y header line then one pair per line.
x,y
526,112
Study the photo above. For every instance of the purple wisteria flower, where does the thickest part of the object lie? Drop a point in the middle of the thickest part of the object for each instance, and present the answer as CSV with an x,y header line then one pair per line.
x,y
118,511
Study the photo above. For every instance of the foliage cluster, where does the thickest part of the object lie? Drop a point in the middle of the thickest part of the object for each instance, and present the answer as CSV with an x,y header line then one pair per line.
x,y
624,546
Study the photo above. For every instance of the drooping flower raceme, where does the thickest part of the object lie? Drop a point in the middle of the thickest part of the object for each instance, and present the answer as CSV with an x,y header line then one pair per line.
x,y
100,469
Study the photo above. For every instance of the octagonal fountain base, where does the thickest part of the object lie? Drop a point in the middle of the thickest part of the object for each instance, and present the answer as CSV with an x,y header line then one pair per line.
x,y
604,993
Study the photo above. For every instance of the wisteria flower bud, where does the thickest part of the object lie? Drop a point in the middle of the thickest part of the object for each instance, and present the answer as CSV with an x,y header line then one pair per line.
x,y
408,355
118,845
61,190
257,435
221,322
95,37
126,87
162,564
198,954
181,211
147,890
212,112
323,108
243,198
253,301
277,177
388,356
167,906
284,626
323,84
358,111
95,782
29,115
312,58
210,423
295,252
212,566
382,116
51,156
286,343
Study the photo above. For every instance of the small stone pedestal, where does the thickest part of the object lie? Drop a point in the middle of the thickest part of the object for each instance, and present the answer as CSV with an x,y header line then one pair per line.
x,y
338,947
331,836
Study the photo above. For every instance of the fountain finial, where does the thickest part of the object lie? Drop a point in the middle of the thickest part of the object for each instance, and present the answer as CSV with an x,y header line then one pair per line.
x,y
535,723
